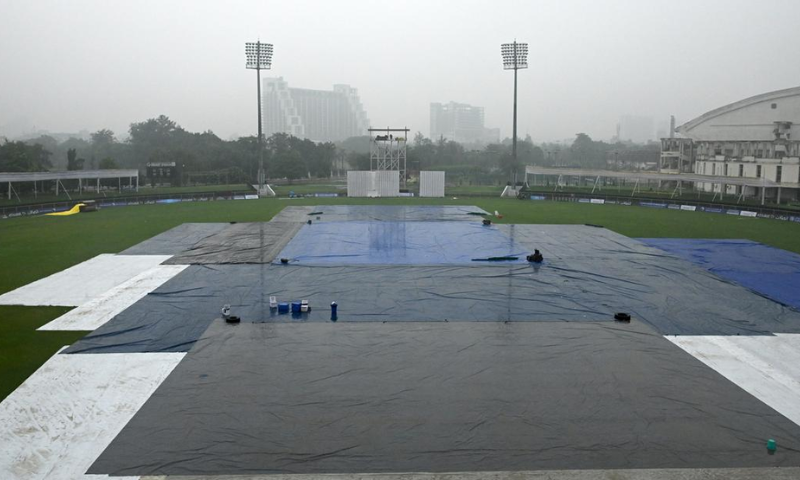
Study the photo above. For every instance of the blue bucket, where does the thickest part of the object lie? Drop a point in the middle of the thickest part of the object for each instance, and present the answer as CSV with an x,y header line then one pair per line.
x,y
283,307
296,307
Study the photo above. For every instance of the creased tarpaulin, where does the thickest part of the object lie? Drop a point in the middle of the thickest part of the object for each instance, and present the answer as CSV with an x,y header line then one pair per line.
x,y
767,270
175,240
400,243
588,275
381,213
338,398
172,317
62,417
239,243
106,306
764,366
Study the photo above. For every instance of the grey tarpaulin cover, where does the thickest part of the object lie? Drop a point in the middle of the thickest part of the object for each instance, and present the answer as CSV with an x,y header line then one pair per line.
x,y
445,397
588,275
175,240
239,243
438,362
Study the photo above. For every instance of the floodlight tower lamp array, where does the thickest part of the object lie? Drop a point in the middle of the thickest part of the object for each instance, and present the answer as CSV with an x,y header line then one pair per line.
x,y
259,57
515,57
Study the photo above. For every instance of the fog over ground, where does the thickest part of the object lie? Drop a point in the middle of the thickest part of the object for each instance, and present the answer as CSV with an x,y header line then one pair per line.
x,y
91,64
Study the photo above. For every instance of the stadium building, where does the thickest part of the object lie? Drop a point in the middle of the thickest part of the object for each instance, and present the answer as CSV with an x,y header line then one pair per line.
x,y
757,138
318,115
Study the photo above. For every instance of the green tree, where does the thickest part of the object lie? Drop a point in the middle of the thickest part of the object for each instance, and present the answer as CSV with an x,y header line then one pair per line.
x,y
154,134
358,161
46,141
103,143
289,165
321,162
21,157
74,163
508,164
422,153
108,163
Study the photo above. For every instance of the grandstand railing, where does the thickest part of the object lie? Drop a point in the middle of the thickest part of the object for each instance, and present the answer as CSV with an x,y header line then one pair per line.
x,y
745,210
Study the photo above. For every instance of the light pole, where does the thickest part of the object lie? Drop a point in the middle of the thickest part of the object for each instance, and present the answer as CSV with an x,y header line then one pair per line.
x,y
515,57
259,57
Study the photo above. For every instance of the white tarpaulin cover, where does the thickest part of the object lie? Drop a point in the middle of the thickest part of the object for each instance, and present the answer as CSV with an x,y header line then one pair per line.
x,y
61,419
431,184
764,366
98,311
83,282
380,183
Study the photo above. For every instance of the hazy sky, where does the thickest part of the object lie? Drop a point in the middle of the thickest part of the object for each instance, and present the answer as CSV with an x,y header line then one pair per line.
x,y
80,64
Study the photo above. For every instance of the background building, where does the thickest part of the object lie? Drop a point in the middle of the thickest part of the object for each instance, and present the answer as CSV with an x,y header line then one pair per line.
x,y
635,129
461,123
751,138
318,115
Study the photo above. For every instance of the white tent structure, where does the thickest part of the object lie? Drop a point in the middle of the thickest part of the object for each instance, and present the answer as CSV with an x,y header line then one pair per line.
x,y
84,178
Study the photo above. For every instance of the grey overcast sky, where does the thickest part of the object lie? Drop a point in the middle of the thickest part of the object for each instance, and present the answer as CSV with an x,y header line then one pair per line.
x,y
91,64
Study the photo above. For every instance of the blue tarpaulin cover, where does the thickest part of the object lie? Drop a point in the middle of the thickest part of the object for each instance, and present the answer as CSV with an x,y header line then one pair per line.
x,y
400,243
770,271
381,213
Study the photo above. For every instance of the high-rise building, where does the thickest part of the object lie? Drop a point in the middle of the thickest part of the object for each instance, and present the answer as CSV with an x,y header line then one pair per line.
x,y
461,123
318,115
635,129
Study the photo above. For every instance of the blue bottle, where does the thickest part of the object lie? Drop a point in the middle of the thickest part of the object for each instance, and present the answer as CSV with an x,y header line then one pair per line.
x,y
333,311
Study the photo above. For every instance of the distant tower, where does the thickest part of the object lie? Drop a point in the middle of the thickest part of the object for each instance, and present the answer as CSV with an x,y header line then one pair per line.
x,y
672,126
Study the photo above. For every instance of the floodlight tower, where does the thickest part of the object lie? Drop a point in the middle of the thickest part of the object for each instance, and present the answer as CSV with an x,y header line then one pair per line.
x,y
259,57
515,57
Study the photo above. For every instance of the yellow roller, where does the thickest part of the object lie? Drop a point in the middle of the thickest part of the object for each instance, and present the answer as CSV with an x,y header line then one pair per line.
x,y
71,211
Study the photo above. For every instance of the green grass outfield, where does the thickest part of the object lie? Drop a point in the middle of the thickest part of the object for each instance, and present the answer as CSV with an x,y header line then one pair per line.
x,y
34,247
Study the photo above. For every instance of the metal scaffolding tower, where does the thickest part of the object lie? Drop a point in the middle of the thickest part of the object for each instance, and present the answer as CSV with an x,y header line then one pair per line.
x,y
387,150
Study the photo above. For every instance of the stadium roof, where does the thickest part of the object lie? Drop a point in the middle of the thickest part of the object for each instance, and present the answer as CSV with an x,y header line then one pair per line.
x,y
14,177
764,97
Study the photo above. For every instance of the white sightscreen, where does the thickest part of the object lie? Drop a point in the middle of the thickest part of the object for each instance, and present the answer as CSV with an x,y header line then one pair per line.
x,y
381,183
431,184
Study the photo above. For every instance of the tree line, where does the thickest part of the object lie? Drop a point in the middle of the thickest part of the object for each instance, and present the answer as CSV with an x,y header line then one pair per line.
x,y
163,140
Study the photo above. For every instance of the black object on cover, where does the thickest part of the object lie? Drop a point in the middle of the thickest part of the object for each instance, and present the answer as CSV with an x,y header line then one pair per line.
x,y
447,397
